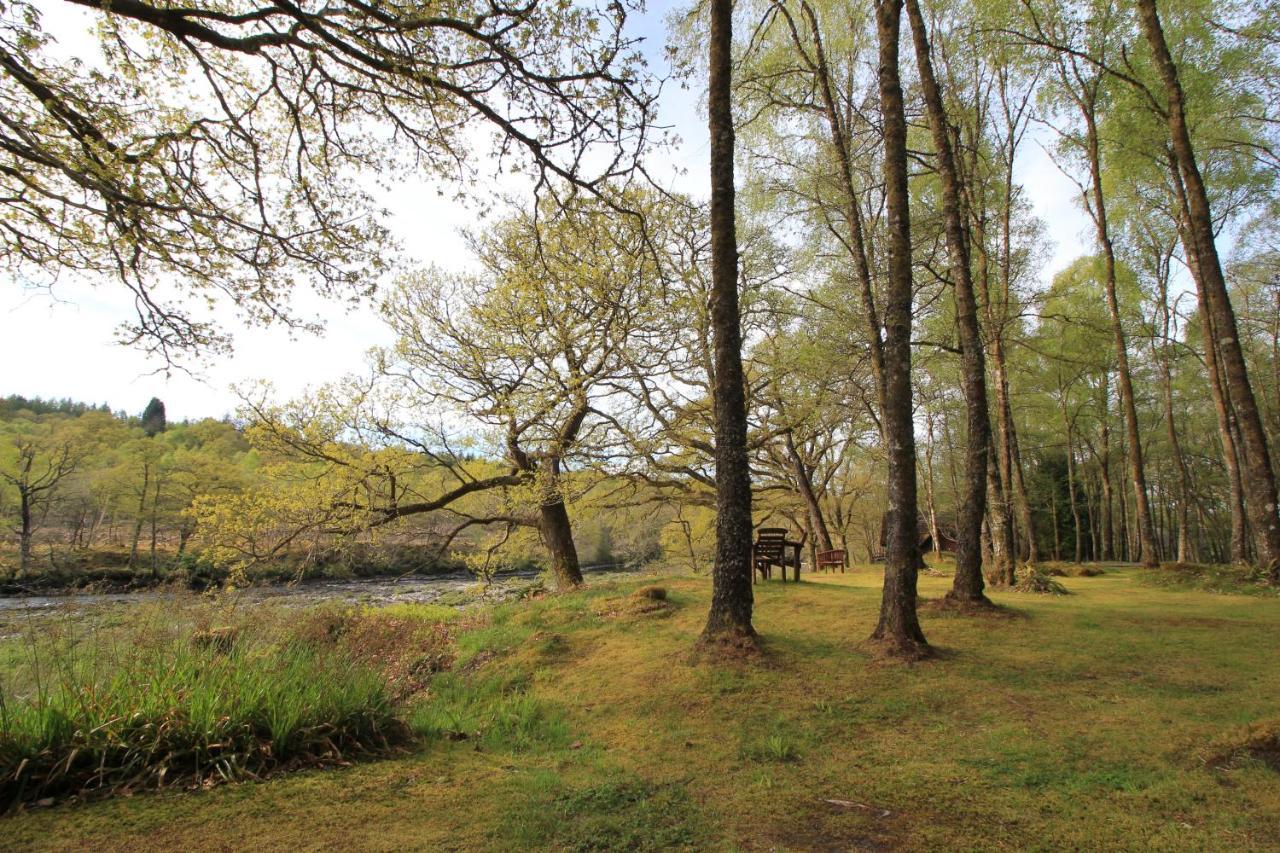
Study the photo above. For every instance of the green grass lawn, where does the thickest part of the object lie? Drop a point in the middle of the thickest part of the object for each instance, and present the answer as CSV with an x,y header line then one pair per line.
x,y
1086,721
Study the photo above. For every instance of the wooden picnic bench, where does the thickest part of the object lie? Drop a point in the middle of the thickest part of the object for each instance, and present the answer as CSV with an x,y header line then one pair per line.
x,y
771,549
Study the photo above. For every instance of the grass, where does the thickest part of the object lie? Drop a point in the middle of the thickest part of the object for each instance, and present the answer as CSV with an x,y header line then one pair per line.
x,y
571,723
93,709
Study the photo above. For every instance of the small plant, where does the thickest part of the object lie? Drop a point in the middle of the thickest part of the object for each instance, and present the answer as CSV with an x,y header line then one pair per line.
x,y
777,746
780,747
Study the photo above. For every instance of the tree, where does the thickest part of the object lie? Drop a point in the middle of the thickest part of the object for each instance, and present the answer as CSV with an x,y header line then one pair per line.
x,y
525,363
898,630
216,145
729,620
1083,83
968,582
1202,252
153,420
532,347
38,457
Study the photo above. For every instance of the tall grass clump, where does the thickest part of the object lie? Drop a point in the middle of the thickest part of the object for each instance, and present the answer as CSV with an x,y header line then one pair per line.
x,y
105,709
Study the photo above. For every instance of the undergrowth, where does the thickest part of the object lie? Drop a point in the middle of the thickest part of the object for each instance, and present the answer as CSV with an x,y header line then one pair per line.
x,y
1219,578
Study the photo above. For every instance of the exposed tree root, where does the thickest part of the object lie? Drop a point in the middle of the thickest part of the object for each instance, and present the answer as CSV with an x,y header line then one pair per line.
x,y
728,646
896,649
953,605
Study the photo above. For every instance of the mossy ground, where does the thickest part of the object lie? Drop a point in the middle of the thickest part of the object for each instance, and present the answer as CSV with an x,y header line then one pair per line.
x,y
566,724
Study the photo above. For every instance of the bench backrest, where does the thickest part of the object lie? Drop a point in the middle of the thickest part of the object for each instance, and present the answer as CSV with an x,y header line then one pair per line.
x,y
770,542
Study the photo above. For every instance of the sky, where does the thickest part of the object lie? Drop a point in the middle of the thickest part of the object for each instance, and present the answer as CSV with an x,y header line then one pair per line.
x,y
62,342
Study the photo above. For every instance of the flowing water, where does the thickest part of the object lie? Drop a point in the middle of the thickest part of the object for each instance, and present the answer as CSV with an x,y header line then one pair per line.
x,y
459,588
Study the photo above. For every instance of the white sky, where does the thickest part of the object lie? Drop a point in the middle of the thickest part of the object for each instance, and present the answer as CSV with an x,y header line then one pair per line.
x,y
62,344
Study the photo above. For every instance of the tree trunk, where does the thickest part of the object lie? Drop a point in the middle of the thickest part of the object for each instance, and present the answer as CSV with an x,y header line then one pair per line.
x,y
1092,518
1001,527
729,620
98,521
1105,520
1053,518
1008,463
155,510
988,558
557,536
804,485
1126,541
1218,390
968,583
1022,502
1259,476
898,631
184,535
1105,504
1149,553
930,501
24,535
142,515
1175,443
1071,481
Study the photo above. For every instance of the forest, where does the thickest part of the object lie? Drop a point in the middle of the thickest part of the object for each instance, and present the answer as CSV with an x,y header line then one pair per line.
x,y
861,329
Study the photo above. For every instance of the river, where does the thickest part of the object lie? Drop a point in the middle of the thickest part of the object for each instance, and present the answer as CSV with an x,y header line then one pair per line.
x,y
459,588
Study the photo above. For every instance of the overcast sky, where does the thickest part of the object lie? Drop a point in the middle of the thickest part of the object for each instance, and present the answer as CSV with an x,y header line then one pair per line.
x,y
63,344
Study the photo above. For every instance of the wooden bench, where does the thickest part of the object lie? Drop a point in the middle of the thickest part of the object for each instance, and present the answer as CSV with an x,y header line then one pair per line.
x,y
831,560
770,549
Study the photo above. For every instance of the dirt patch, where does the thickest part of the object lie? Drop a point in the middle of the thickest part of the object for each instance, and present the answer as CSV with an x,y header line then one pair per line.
x,y
836,824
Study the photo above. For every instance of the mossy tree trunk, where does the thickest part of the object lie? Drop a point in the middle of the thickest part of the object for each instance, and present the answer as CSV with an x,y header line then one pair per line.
x,y
557,535
729,620
898,630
